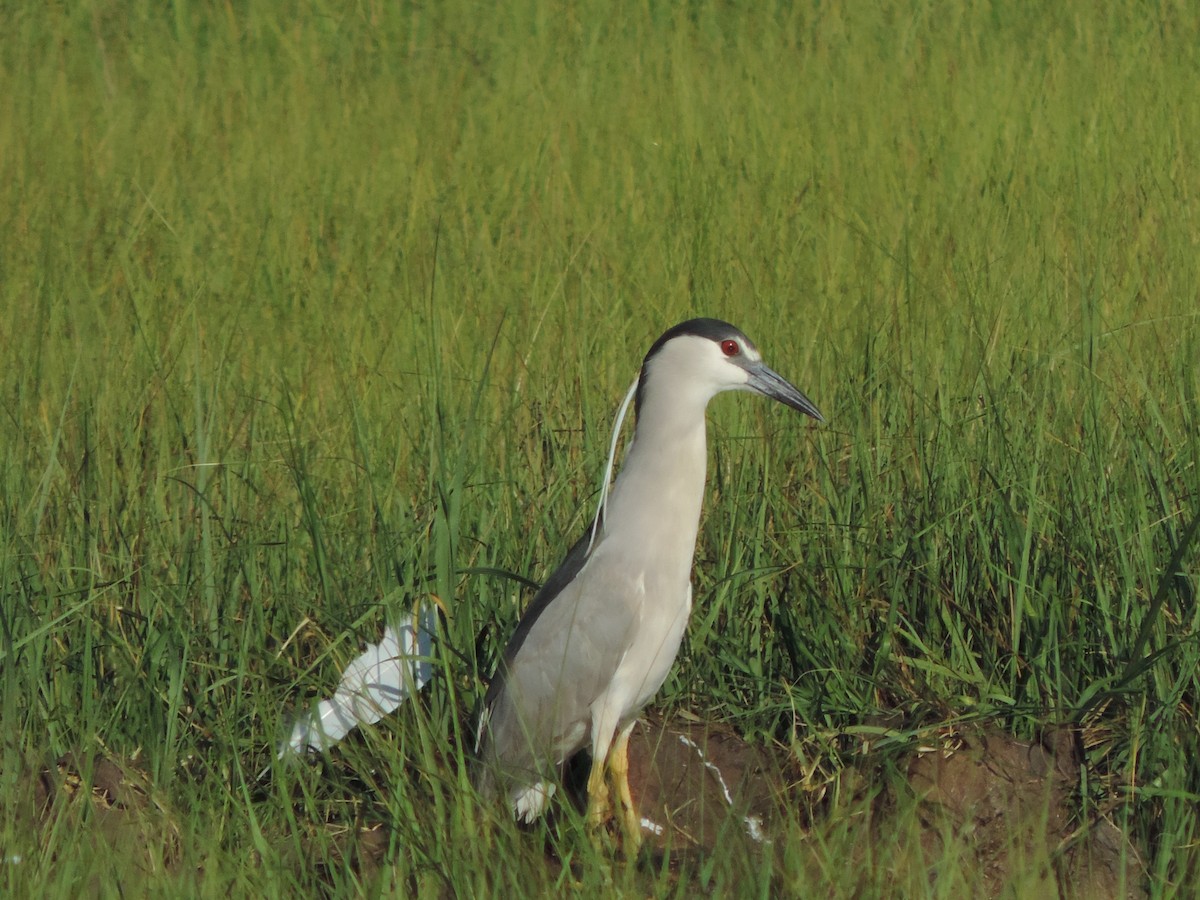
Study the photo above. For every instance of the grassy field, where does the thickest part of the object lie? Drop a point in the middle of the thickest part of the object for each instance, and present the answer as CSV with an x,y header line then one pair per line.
x,y
315,312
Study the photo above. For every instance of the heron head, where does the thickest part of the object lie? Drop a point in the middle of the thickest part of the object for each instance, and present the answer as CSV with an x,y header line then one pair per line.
x,y
703,357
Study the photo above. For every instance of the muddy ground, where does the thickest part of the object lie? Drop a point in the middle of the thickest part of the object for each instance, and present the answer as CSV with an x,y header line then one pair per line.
x,y
1012,804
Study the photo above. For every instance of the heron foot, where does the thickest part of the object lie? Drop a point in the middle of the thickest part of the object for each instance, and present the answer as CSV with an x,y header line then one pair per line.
x,y
600,805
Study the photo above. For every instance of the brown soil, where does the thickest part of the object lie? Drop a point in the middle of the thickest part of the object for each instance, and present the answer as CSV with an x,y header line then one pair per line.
x,y
695,784
1012,801
106,804
1009,804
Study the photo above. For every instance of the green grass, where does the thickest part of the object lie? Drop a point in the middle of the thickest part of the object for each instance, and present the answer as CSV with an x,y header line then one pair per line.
x,y
313,312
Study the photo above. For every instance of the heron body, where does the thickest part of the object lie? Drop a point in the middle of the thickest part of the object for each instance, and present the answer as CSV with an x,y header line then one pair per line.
x,y
598,640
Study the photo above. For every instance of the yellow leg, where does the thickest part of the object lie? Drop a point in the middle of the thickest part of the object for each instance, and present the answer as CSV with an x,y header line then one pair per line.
x,y
599,802
599,805
630,820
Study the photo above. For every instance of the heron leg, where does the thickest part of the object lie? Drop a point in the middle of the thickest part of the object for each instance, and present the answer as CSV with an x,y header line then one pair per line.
x,y
599,801
630,819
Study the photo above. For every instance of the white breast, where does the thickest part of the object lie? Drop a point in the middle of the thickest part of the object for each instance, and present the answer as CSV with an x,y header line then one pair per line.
x,y
644,667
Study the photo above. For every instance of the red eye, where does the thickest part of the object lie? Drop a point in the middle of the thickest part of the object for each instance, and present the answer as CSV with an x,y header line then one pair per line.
x,y
730,348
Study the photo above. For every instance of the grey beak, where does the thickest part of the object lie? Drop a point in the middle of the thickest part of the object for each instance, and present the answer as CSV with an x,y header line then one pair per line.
x,y
765,381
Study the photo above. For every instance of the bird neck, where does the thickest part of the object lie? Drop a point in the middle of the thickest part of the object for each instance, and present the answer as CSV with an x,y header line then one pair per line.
x,y
658,494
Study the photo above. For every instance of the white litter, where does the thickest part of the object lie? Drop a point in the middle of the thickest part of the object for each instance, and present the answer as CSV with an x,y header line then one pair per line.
x,y
651,826
753,823
372,686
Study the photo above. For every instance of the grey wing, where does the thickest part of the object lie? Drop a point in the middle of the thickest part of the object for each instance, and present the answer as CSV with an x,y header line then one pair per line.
x,y
538,712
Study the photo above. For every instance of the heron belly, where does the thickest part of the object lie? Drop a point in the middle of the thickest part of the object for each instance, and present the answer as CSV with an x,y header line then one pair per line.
x,y
646,663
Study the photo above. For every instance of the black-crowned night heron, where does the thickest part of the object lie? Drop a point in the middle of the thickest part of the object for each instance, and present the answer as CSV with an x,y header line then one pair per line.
x,y
599,638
